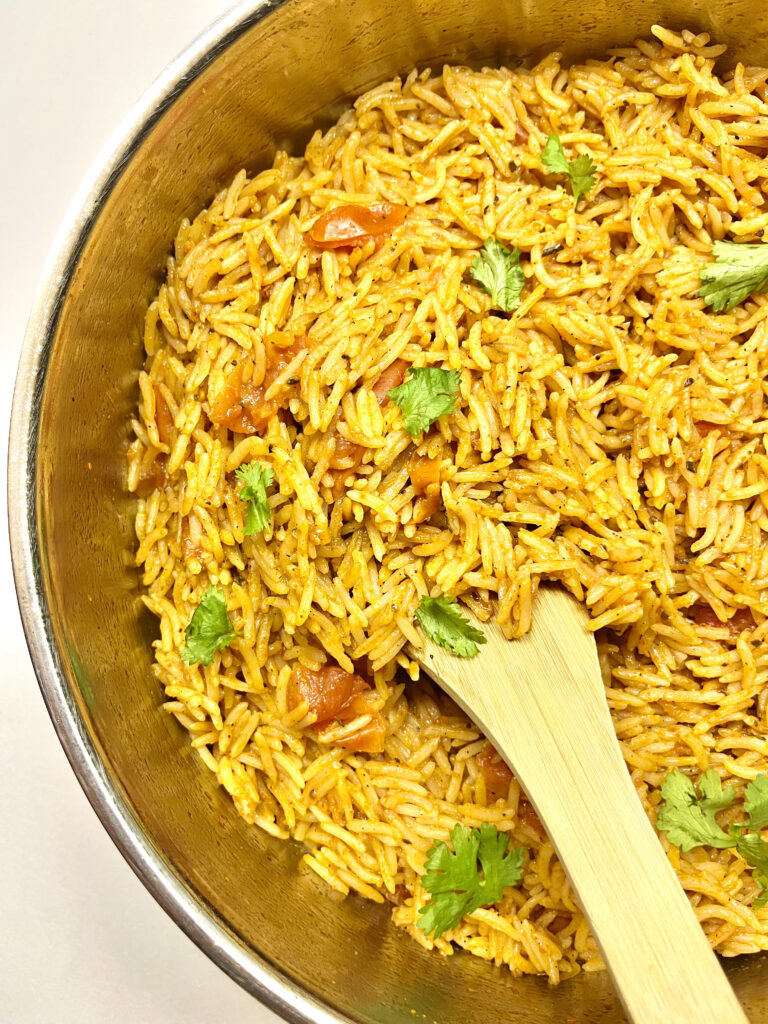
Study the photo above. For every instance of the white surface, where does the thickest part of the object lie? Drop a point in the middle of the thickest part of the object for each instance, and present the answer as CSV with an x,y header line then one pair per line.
x,y
81,941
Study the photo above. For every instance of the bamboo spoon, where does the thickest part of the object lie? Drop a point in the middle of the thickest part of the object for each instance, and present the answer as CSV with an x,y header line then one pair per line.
x,y
541,702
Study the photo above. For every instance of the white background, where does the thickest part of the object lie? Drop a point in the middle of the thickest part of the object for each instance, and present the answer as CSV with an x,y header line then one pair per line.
x,y
81,941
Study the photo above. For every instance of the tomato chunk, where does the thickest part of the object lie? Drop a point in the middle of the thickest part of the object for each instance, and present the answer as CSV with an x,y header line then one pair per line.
x,y
163,416
368,739
558,923
495,772
329,691
424,473
425,480
332,694
390,378
529,817
704,615
498,776
241,406
704,427
347,226
232,405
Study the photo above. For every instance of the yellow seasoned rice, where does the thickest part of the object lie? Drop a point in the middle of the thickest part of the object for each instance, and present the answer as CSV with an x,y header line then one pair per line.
x,y
581,450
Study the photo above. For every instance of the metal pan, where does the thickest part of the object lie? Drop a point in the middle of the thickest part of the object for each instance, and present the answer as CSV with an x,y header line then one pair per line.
x,y
263,76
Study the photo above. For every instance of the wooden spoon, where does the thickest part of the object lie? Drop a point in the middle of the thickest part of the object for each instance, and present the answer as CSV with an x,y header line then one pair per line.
x,y
541,702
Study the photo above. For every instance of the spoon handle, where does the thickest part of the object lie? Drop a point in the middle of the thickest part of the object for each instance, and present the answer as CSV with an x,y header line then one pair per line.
x,y
662,966
540,699
564,751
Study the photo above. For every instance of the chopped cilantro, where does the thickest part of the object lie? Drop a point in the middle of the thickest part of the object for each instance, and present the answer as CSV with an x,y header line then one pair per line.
x,y
256,479
688,819
426,394
458,885
756,803
581,171
497,269
755,852
738,270
442,621
210,629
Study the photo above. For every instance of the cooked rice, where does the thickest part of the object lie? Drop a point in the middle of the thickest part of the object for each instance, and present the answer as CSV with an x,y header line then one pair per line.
x,y
574,454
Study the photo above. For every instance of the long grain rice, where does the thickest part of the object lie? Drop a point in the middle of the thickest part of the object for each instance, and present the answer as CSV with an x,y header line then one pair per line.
x,y
574,454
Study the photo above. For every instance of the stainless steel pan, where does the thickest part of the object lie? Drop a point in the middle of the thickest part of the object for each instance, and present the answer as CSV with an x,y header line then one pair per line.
x,y
264,76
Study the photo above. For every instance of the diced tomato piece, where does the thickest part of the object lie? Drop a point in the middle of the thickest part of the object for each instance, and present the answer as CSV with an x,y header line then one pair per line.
x,y
495,772
329,691
368,739
351,225
426,508
529,817
704,427
704,615
332,694
740,620
241,406
227,407
390,378
364,703
424,473
163,417
498,776
558,923
152,477
425,480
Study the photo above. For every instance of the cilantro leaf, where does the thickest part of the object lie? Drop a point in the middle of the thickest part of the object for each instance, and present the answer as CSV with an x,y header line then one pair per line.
x,y
499,870
210,629
713,797
442,621
688,819
755,852
427,394
455,882
581,171
738,270
257,479
553,155
497,269
756,803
